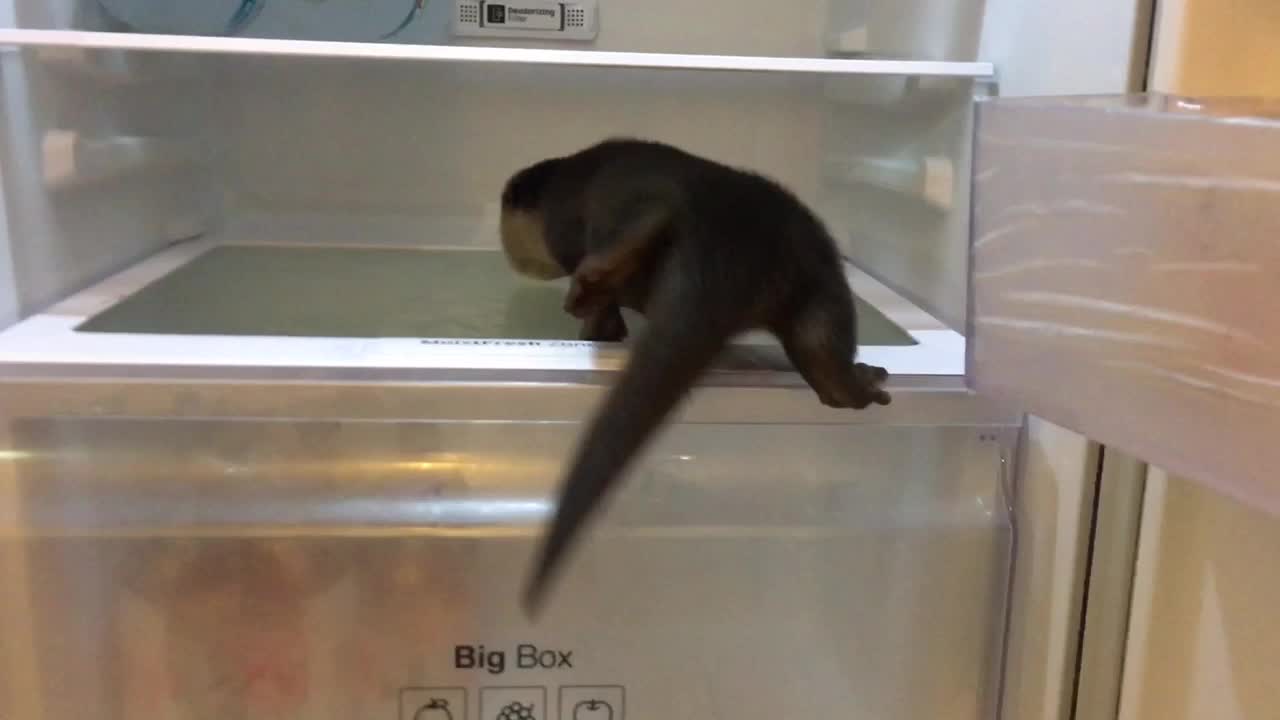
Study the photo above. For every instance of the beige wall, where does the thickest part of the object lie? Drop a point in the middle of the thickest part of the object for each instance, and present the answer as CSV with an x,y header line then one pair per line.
x,y
1218,47
1205,634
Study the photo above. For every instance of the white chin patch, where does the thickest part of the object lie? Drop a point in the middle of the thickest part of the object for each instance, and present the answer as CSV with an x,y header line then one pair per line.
x,y
526,248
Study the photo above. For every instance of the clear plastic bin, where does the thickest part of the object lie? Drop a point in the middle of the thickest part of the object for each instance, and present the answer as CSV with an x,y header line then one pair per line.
x,y
315,569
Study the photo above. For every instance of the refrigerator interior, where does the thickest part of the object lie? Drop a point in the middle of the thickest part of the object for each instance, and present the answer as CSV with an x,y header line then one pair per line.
x,y
280,430
124,155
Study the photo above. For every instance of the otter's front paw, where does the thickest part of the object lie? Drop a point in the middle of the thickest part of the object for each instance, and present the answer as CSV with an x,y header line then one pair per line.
x,y
606,325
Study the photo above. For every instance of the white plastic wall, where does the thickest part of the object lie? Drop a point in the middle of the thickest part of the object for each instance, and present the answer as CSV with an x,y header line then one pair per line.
x,y
61,235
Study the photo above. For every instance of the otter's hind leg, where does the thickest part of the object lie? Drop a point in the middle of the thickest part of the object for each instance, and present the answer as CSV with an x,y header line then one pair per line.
x,y
819,340
620,241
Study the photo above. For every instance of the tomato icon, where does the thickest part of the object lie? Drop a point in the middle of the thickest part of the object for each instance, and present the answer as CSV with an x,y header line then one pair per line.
x,y
435,709
593,710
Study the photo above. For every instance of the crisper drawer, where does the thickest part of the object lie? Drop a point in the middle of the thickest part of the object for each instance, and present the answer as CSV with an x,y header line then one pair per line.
x,y
214,567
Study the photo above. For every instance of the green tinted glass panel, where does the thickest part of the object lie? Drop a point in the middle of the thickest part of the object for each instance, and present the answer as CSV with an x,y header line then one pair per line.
x,y
367,293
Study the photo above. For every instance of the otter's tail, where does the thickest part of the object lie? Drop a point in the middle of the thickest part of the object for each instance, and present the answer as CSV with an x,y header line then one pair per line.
x,y
671,354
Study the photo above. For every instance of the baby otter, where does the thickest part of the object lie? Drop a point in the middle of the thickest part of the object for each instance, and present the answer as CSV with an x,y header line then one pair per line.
x,y
704,252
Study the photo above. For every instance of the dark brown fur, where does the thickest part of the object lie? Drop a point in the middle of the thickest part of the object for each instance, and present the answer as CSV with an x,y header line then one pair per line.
x,y
704,252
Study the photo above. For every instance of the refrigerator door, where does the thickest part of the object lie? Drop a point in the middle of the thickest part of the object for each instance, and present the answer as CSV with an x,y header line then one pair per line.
x,y
1123,270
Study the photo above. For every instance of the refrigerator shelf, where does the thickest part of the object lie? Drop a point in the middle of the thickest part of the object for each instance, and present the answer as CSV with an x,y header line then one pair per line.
x,y
501,325
472,54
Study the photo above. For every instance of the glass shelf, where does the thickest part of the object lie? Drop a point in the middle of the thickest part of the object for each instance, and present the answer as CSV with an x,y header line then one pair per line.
x,y
476,361
267,320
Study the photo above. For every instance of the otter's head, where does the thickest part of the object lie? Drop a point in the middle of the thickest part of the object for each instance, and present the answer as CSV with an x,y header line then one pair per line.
x,y
523,223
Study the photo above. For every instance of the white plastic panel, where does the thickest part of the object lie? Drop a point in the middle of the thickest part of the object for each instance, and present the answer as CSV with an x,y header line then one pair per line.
x,y
103,162
896,178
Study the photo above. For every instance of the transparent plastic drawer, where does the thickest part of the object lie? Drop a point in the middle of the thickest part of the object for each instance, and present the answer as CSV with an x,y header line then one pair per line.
x,y
199,568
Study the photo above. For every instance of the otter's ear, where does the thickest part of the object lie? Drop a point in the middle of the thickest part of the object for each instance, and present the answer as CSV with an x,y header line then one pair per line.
x,y
524,190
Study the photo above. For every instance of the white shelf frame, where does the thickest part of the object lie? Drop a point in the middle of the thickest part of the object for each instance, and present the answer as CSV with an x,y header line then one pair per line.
x,y
12,37
49,338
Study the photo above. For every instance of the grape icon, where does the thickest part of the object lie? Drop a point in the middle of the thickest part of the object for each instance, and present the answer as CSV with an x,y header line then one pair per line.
x,y
516,711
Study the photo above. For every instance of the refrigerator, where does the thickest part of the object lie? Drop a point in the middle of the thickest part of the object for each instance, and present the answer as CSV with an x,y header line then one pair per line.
x,y
280,430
